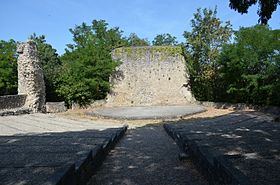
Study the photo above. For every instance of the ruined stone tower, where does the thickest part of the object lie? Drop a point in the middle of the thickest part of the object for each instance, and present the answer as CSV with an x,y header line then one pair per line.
x,y
149,76
30,76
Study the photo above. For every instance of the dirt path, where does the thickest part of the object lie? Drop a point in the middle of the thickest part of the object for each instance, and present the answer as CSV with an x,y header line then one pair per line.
x,y
146,156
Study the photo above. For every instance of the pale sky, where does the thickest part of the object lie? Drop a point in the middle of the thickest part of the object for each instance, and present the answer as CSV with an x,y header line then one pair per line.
x,y
146,18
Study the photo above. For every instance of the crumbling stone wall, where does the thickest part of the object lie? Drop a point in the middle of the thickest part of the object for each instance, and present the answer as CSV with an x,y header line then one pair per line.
x,y
12,101
30,76
149,76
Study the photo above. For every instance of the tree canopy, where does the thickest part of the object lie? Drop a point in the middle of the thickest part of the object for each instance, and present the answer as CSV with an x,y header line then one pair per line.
x,y
265,10
87,64
165,39
247,69
134,40
8,67
250,67
203,46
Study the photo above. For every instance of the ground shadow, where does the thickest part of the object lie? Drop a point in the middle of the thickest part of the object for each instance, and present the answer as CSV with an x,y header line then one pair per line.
x,y
45,158
147,155
249,140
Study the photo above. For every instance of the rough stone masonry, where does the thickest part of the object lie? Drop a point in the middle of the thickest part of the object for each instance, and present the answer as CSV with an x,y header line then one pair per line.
x,y
30,76
149,76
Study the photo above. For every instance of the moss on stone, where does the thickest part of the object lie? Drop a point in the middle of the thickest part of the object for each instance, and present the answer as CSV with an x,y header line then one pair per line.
x,y
141,52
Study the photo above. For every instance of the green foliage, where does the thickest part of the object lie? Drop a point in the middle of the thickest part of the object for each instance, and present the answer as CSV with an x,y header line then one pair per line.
x,y
203,46
134,40
87,64
8,67
266,7
250,67
246,70
51,65
164,40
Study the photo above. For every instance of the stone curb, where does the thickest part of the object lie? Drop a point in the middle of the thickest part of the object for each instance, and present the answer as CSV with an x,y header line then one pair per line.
x,y
81,171
215,166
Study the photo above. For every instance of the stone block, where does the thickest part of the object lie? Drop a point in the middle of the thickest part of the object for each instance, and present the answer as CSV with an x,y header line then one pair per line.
x,y
54,107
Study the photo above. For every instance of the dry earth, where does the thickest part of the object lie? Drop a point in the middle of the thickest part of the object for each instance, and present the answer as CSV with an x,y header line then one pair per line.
x,y
78,114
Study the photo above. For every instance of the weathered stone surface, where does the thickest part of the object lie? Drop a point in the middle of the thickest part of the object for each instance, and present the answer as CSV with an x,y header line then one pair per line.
x,y
53,107
149,76
48,149
238,148
30,76
12,101
146,156
93,104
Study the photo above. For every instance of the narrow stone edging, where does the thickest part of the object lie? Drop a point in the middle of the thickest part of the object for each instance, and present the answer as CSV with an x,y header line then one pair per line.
x,y
217,169
81,171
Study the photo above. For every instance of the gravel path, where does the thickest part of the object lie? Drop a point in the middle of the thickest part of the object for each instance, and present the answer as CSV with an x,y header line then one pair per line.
x,y
146,155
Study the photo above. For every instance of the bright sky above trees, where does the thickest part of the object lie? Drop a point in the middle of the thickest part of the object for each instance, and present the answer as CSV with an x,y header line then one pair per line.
x,y
147,18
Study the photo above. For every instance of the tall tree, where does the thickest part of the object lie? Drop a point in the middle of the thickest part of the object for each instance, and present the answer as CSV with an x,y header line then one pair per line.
x,y
165,40
8,67
51,65
266,7
134,40
204,44
251,66
87,64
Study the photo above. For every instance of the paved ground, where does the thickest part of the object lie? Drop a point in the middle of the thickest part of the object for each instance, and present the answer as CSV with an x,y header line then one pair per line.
x,y
39,148
249,140
147,112
42,123
145,156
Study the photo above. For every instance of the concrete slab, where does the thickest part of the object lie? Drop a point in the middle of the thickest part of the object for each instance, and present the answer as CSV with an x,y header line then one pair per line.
x,y
29,175
41,148
147,112
243,142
